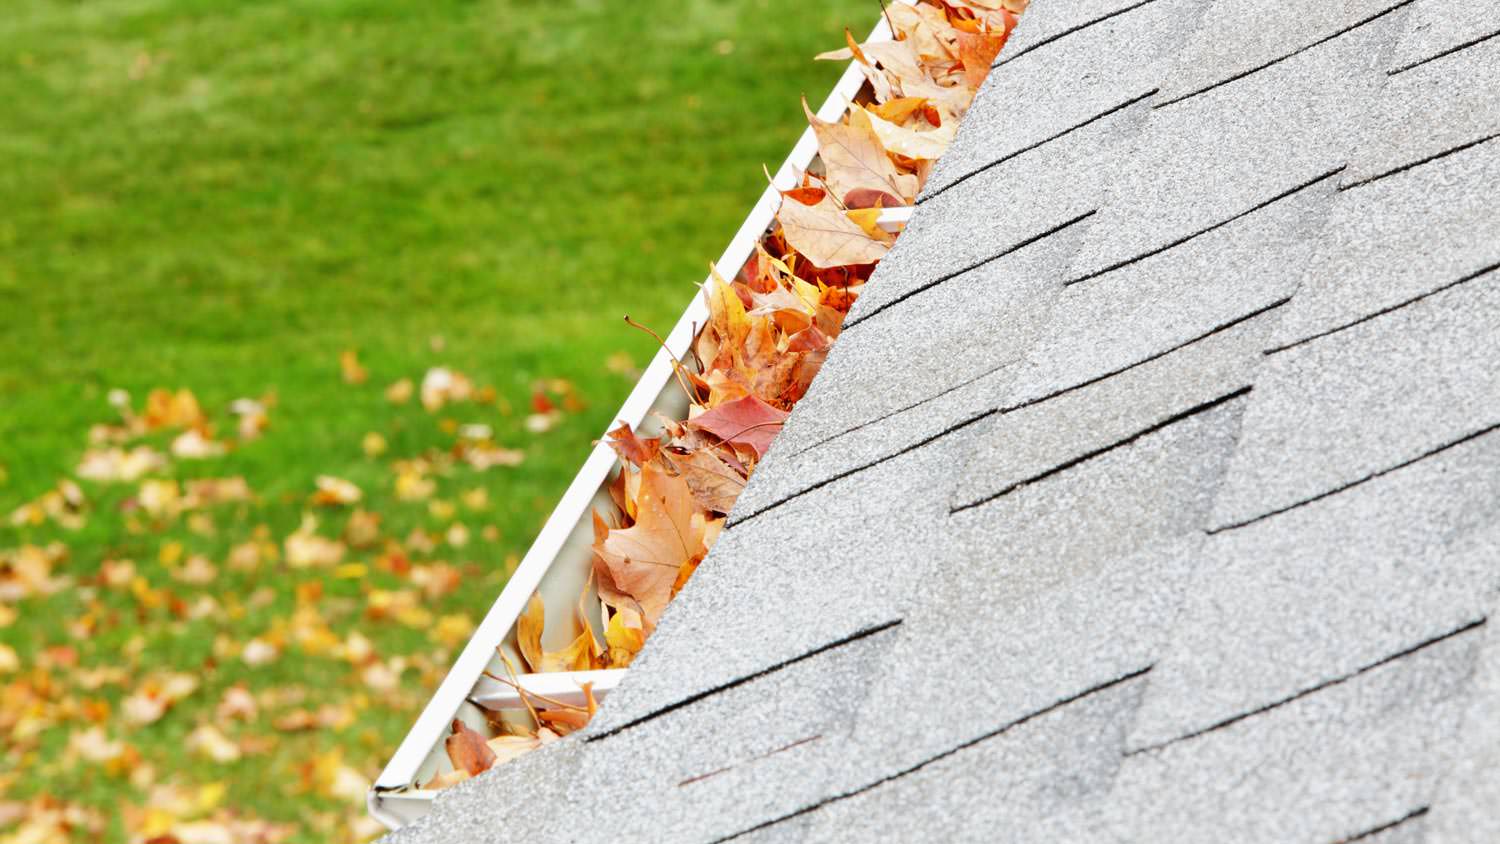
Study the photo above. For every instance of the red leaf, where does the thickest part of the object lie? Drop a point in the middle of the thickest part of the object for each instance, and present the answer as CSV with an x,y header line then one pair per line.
x,y
746,421
870,198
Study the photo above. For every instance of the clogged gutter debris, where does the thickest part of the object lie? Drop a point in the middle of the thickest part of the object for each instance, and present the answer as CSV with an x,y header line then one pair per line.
x,y
769,330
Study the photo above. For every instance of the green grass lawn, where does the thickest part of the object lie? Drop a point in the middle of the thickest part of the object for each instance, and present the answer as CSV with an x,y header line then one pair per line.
x,y
222,197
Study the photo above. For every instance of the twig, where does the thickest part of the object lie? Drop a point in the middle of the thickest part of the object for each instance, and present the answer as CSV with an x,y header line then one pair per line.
x,y
540,697
676,362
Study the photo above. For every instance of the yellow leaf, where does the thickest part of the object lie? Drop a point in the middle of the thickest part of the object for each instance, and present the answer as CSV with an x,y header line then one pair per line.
x,y
529,632
868,219
624,637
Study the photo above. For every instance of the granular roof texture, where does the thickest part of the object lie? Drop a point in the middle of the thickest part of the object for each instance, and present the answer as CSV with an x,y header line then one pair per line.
x,y
1151,493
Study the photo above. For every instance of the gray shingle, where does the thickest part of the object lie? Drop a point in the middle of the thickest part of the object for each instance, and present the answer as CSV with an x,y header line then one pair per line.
x,y
1371,257
1324,767
1236,148
1440,26
1430,110
997,787
1052,23
1245,37
1023,446
1364,401
1175,297
1105,67
1464,807
1029,602
1323,590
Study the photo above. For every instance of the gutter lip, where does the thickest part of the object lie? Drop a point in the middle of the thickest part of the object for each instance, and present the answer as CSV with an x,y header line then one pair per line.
x,y
397,780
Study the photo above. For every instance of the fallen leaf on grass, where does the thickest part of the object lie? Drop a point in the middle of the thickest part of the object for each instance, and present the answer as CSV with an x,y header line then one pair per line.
x,y
350,368
335,491
116,464
306,549
195,445
207,741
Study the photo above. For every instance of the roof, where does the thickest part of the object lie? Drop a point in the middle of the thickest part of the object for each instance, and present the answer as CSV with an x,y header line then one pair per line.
x,y
1151,491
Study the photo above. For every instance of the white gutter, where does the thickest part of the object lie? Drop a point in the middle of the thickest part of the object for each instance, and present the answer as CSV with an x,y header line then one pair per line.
x,y
394,800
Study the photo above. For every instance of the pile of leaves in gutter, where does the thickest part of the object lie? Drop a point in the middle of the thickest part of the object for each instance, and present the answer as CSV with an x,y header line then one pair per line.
x,y
768,332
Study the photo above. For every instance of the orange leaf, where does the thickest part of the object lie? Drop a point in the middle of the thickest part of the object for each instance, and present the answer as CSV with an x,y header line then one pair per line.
x,y
868,198
827,238
853,157
467,750
900,108
642,560
714,485
631,448
978,51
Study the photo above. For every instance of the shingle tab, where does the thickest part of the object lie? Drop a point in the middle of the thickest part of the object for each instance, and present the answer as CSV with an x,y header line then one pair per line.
x,y
1324,767
1429,111
1371,257
1441,27
1107,67
1238,39
1321,591
1238,148
1464,806
1365,401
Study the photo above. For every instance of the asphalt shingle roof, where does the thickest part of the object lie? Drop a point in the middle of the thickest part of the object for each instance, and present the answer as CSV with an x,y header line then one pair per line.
x,y
1151,492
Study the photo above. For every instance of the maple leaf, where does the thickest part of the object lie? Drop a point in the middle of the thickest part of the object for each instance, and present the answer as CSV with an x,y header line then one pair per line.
x,y
625,637
927,28
631,448
745,421
714,485
853,157
642,561
529,632
826,237
978,51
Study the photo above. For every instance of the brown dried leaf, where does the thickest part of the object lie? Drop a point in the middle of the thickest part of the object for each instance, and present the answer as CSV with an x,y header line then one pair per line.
x,y
467,750
826,237
853,157
714,485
